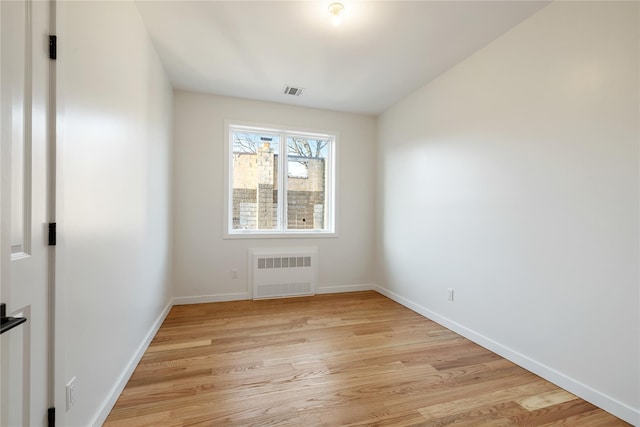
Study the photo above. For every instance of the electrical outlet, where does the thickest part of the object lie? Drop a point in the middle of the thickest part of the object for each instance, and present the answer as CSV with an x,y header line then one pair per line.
x,y
234,273
71,393
450,294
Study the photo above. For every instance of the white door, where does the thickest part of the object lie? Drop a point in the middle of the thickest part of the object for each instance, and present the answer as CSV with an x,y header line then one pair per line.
x,y
24,208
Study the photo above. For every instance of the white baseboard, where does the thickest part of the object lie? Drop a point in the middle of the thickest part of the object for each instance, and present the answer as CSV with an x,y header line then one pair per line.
x,y
583,391
245,295
115,392
211,298
345,288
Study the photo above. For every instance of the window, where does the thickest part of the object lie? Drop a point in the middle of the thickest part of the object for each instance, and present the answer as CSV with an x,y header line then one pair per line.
x,y
280,182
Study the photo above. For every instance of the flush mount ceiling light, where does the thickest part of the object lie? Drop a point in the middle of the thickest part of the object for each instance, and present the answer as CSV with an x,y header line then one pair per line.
x,y
335,10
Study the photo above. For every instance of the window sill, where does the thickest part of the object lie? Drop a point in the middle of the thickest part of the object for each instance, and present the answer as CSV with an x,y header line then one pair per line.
x,y
281,235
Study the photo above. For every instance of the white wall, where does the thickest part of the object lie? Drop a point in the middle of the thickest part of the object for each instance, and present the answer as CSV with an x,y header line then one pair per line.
x,y
114,194
202,259
513,178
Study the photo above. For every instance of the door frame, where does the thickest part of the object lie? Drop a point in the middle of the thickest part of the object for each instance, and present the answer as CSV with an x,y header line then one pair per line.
x,y
58,392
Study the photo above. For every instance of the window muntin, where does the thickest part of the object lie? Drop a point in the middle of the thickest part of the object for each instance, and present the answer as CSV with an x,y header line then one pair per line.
x,y
281,182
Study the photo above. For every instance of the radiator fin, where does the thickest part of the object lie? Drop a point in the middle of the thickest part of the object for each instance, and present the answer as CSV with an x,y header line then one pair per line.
x,y
283,289
284,262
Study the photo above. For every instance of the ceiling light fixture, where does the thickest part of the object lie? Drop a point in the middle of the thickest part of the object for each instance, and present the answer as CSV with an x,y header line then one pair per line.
x,y
335,10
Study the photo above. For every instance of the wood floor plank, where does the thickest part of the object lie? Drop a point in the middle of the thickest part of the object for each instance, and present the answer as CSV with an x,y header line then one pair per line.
x,y
355,359
479,401
179,345
544,400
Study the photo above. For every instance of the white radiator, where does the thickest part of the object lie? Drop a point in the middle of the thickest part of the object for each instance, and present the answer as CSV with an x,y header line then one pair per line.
x,y
283,272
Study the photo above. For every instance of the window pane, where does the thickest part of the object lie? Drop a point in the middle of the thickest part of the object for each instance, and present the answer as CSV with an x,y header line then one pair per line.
x,y
255,180
306,183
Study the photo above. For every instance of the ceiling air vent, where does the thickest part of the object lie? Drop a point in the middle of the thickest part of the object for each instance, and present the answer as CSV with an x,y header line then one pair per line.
x,y
290,90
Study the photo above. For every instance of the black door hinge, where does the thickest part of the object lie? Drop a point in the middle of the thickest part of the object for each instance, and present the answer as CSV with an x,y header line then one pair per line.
x,y
51,417
52,234
53,47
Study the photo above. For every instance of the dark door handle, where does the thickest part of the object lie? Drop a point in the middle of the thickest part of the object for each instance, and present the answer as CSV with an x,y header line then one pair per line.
x,y
8,323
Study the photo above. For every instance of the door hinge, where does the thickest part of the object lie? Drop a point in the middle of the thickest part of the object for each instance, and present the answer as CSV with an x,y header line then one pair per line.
x,y
53,47
52,234
51,417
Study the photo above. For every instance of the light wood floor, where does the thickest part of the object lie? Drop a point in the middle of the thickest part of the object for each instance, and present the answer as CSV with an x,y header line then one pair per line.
x,y
332,360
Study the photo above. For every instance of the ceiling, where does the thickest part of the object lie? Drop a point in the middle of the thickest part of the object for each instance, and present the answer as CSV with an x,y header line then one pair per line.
x,y
381,52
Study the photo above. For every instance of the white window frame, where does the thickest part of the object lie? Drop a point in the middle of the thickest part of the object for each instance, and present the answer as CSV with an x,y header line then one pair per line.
x,y
282,232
